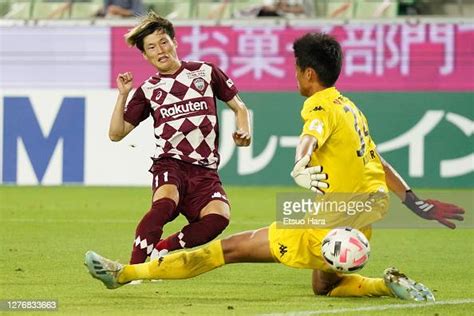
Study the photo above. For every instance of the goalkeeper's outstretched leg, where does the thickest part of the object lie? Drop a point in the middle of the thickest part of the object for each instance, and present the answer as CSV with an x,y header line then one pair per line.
x,y
251,246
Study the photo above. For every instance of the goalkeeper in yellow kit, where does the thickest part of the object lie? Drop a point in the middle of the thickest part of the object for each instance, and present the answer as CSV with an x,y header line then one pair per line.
x,y
336,136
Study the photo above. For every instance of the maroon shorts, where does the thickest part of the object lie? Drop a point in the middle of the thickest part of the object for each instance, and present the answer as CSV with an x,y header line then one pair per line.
x,y
197,186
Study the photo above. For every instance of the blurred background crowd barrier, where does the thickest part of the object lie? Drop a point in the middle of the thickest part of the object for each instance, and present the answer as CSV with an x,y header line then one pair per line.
x,y
231,9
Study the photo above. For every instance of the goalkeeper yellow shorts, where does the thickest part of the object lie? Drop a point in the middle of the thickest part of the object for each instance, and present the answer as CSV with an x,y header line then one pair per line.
x,y
301,248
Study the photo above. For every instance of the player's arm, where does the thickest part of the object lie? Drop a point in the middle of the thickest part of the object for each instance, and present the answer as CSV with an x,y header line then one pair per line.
x,y
427,209
304,176
119,128
242,135
305,147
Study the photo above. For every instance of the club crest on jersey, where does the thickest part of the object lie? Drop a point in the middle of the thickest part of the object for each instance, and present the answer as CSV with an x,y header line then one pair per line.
x,y
199,84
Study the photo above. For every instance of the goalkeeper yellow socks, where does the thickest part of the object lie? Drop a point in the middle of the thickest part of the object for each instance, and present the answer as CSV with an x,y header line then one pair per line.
x,y
179,265
357,285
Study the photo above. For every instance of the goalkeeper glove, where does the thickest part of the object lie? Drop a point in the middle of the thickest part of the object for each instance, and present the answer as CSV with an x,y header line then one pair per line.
x,y
434,209
309,177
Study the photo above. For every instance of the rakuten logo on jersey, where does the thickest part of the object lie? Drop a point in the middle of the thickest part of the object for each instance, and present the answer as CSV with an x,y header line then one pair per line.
x,y
177,110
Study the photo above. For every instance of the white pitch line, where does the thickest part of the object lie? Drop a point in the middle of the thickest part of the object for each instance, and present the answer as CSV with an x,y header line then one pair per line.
x,y
373,308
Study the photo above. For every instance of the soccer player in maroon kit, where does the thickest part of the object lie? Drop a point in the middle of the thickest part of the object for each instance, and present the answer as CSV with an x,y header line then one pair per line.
x,y
181,98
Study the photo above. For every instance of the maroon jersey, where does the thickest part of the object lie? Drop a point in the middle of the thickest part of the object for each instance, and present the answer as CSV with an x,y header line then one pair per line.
x,y
184,110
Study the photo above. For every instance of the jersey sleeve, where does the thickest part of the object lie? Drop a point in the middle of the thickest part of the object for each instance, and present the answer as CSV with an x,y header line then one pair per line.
x,y
222,85
137,109
317,123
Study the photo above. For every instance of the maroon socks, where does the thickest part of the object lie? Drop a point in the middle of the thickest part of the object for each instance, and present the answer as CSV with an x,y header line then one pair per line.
x,y
150,228
195,234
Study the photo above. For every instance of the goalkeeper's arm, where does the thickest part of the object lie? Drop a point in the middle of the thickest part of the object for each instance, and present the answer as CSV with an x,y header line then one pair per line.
x,y
308,177
427,209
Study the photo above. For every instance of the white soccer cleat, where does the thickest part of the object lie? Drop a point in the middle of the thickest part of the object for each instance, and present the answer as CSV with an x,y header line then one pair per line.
x,y
405,288
103,269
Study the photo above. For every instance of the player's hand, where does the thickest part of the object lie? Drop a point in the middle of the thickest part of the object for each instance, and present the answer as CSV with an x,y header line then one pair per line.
x,y
309,177
241,138
434,210
125,82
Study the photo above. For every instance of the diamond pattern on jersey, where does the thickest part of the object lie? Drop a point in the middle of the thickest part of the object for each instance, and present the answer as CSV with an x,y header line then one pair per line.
x,y
177,138
168,147
160,142
170,99
184,146
184,111
197,120
207,127
176,124
168,131
209,92
189,139
179,90
210,139
203,149
185,78
195,138
194,155
192,94
187,127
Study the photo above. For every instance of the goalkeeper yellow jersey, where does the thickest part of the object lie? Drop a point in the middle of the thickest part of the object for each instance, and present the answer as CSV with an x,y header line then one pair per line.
x,y
345,149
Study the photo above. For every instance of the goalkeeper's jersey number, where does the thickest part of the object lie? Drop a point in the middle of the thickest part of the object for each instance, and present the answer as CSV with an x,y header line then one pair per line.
x,y
361,132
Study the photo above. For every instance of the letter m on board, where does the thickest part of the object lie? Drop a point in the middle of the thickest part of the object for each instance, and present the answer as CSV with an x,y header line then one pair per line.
x,y
20,123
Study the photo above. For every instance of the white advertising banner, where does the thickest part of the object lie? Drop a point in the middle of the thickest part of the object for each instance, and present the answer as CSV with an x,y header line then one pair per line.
x,y
55,57
57,137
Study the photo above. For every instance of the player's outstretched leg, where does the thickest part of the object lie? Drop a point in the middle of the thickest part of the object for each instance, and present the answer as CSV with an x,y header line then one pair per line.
x,y
405,288
250,246
103,269
179,265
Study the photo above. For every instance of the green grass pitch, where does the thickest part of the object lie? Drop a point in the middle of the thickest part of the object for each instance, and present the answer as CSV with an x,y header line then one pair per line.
x,y
47,230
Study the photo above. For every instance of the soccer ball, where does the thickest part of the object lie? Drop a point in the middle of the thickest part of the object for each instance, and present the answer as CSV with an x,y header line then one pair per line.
x,y
345,249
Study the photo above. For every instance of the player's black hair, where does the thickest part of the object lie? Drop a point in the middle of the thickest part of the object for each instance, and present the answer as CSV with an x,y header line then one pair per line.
x,y
322,53
151,23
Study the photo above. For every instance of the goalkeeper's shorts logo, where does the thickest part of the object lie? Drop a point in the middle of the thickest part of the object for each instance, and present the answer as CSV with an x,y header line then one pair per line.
x,y
283,249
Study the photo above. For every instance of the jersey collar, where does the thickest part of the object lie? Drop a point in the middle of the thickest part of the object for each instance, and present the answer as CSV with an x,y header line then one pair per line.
x,y
173,75
319,97
328,93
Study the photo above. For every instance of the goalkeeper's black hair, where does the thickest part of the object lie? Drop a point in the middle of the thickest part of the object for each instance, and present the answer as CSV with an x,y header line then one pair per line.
x,y
322,53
